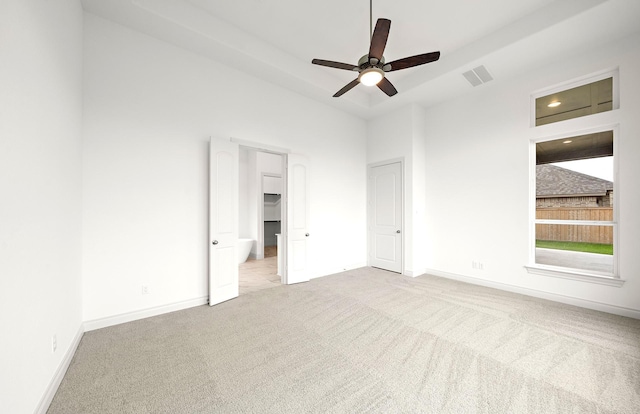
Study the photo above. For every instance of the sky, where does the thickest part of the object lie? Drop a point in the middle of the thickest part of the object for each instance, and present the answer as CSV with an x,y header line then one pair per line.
x,y
596,167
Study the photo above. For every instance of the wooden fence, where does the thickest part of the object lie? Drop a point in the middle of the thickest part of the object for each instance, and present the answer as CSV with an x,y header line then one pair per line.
x,y
575,233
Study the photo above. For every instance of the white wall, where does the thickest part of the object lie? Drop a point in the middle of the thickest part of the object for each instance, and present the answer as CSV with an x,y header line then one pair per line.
x,y
244,195
419,197
477,179
269,164
149,110
40,184
252,199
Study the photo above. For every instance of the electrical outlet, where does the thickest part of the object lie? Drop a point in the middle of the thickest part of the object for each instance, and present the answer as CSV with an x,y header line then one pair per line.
x,y
54,343
145,290
477,265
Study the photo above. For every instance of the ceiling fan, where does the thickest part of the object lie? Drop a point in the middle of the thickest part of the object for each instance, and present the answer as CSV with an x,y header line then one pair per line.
x,y
372,67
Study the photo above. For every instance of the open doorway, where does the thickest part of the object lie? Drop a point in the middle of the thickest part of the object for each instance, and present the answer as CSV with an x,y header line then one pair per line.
x,y
225,224
261,212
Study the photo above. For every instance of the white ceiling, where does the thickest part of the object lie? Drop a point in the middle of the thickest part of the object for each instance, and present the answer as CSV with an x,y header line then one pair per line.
x,y
275,40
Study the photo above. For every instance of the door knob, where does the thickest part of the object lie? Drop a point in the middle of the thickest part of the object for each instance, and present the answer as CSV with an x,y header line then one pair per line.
x,y
214,242
306,235
397,231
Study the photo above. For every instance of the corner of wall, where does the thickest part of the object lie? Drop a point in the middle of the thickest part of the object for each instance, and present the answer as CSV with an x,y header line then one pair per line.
x,y
52,388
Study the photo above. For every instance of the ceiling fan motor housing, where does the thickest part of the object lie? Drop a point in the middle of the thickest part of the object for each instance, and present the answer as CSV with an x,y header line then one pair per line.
x,y
364,62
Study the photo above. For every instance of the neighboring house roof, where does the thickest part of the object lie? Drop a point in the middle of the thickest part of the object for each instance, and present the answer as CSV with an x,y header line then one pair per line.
x,y
552,181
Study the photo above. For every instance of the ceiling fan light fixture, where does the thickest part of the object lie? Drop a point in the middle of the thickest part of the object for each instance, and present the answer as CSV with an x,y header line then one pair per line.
x,y
371,76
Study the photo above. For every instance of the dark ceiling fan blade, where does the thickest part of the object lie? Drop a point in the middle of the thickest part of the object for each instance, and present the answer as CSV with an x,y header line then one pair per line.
x,y
332,64
379,40
412,61
347,88
387,87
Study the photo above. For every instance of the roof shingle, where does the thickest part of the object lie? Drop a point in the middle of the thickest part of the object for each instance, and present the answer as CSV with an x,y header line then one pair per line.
x,y
553,181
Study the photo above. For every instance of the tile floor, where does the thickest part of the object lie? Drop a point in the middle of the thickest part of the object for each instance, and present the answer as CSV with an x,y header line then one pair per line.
x,y
260,274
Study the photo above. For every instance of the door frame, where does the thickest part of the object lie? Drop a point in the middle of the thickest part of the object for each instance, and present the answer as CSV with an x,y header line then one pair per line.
x,y
403,244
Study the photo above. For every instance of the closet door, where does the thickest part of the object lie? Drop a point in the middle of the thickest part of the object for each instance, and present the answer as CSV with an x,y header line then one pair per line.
x,y
385,217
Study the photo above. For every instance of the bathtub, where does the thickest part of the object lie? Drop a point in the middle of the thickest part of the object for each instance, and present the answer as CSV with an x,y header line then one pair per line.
x,y
244,248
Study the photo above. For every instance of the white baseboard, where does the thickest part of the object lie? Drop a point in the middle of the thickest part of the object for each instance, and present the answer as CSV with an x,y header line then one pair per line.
x,y
414,273
144,313
334,271
51,390
569,300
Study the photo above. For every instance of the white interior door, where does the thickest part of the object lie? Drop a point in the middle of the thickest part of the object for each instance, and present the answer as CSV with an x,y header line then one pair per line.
x,y
385,216
297,268
223,220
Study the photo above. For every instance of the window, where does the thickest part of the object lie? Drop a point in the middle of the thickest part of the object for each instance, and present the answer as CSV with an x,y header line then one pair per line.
x,y
573,194
574,220
583,100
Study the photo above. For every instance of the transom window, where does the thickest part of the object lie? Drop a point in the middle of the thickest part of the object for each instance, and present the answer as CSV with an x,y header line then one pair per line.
x,y
583,100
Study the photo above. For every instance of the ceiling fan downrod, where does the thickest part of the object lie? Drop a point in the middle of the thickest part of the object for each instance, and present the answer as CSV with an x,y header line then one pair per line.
x,y
370,20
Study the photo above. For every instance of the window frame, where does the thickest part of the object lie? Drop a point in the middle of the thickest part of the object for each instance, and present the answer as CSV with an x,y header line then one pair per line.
x,y
562,130
566,272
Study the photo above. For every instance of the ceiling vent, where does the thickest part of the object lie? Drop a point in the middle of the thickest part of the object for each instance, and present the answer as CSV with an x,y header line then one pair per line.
x,y
478,76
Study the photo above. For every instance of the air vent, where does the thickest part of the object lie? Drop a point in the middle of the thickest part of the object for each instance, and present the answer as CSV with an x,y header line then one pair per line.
x,y
478,76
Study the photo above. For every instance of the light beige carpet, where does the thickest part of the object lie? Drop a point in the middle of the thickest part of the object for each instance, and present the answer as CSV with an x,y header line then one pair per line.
x,y
362,341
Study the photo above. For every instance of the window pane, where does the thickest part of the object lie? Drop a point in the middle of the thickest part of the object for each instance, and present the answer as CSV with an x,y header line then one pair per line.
x,y
575,233
584,247
574,178
579,147
575,102
574,187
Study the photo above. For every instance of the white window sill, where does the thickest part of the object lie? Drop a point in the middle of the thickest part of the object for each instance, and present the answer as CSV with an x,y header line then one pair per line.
x,y
574,274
